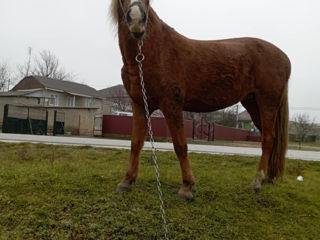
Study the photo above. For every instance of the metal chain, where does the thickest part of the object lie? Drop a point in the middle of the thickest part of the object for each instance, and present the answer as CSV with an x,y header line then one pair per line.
x,y
140,58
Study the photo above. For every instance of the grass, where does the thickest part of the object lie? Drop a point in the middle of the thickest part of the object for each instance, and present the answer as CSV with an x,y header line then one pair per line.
x,y
60,192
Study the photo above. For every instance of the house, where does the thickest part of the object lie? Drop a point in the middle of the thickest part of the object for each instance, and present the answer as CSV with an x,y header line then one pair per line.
x,y
115,99
57,93
245,122
77,103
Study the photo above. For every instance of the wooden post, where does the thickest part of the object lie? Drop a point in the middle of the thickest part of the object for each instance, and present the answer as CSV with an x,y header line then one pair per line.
x,y
54,123
30,125
79,125
46,124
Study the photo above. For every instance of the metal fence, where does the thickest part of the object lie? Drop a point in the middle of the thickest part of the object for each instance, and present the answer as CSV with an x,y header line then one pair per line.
x,y
25,120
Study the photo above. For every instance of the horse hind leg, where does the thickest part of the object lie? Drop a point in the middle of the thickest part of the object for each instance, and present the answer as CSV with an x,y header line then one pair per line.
x,y
268,116
250,104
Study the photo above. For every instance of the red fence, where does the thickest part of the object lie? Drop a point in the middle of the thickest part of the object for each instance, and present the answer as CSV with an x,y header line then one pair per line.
x,y
122,125
234,134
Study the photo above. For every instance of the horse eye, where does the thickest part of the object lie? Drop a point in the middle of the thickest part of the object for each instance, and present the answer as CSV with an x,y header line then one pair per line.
x,y
144,19
129,19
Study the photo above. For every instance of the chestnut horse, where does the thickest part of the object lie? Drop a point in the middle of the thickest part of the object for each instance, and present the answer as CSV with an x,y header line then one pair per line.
x,y
201,76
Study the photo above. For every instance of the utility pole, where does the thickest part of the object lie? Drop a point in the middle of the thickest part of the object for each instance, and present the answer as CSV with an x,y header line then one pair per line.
x,y
29,62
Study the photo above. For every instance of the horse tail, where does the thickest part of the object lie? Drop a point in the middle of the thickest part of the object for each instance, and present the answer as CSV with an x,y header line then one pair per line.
x,y
277,159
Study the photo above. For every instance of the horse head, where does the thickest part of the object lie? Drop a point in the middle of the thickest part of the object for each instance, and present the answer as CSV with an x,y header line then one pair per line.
x,y
136,16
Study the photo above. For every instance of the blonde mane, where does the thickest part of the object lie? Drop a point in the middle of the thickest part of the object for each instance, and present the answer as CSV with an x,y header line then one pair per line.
x,y
113,11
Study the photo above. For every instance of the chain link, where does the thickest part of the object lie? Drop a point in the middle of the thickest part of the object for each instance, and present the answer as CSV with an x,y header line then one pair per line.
x,y
140,58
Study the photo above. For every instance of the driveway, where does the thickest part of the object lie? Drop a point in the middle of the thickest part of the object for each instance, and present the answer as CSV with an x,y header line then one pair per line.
x,y
124,144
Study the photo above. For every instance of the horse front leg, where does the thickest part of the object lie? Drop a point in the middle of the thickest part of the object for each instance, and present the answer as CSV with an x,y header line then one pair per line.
x,y
137,141
175,123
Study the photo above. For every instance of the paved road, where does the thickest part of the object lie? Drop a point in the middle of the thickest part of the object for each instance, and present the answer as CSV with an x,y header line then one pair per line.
x,y
108,143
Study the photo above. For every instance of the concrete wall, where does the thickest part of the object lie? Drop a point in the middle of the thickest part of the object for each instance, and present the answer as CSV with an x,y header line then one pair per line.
x,y
106,107
78,121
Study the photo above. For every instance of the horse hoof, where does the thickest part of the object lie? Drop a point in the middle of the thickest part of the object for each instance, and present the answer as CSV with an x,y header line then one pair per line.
x,y
185,193
256,185
123,187
258,181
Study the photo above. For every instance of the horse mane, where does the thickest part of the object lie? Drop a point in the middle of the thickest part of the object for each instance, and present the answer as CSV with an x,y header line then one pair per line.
x,y
113,12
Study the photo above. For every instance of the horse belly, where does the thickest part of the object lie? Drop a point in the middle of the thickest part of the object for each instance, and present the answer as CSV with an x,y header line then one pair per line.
x,y
208,96
209,104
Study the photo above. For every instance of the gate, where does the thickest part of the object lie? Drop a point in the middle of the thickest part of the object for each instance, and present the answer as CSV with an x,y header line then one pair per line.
x,y
25,120
58,123
97,128
203,130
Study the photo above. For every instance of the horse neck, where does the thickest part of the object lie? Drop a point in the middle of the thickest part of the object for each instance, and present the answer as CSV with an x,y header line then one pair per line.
x,y
129,46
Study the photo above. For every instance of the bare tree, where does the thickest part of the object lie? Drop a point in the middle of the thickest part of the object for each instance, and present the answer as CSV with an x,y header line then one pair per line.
x,y
227,117
48,65
120,99
303,126
6,79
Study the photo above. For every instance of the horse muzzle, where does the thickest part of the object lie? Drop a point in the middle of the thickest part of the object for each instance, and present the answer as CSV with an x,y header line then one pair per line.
x,y
136,19
137,30
138,35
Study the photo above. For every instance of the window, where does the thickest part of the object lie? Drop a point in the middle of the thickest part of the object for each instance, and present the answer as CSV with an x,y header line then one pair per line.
x,y
71,101
53,101
88,102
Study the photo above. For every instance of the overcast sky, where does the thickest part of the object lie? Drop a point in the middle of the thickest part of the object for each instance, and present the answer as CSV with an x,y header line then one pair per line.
x,y
79,34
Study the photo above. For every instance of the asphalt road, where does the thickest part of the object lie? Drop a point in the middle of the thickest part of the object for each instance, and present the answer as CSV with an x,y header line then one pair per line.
x,y
123,144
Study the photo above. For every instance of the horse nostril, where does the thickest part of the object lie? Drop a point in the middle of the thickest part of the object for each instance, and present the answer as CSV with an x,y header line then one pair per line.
x,y
138,35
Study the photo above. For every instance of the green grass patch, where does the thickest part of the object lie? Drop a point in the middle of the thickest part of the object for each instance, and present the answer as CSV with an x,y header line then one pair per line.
x,y
63,192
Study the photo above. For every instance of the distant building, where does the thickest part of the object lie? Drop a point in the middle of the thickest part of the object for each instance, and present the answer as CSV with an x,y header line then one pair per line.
x,y
115,99
56,93
245,122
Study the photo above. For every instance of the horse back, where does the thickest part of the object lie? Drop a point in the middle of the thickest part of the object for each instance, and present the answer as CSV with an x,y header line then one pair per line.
x,y
220,73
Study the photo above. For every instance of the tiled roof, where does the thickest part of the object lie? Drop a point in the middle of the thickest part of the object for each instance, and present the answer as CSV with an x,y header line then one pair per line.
x,y
16,93
115,91
67,86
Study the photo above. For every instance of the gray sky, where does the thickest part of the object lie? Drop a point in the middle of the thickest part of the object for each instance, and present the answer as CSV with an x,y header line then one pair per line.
x,y
79,34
